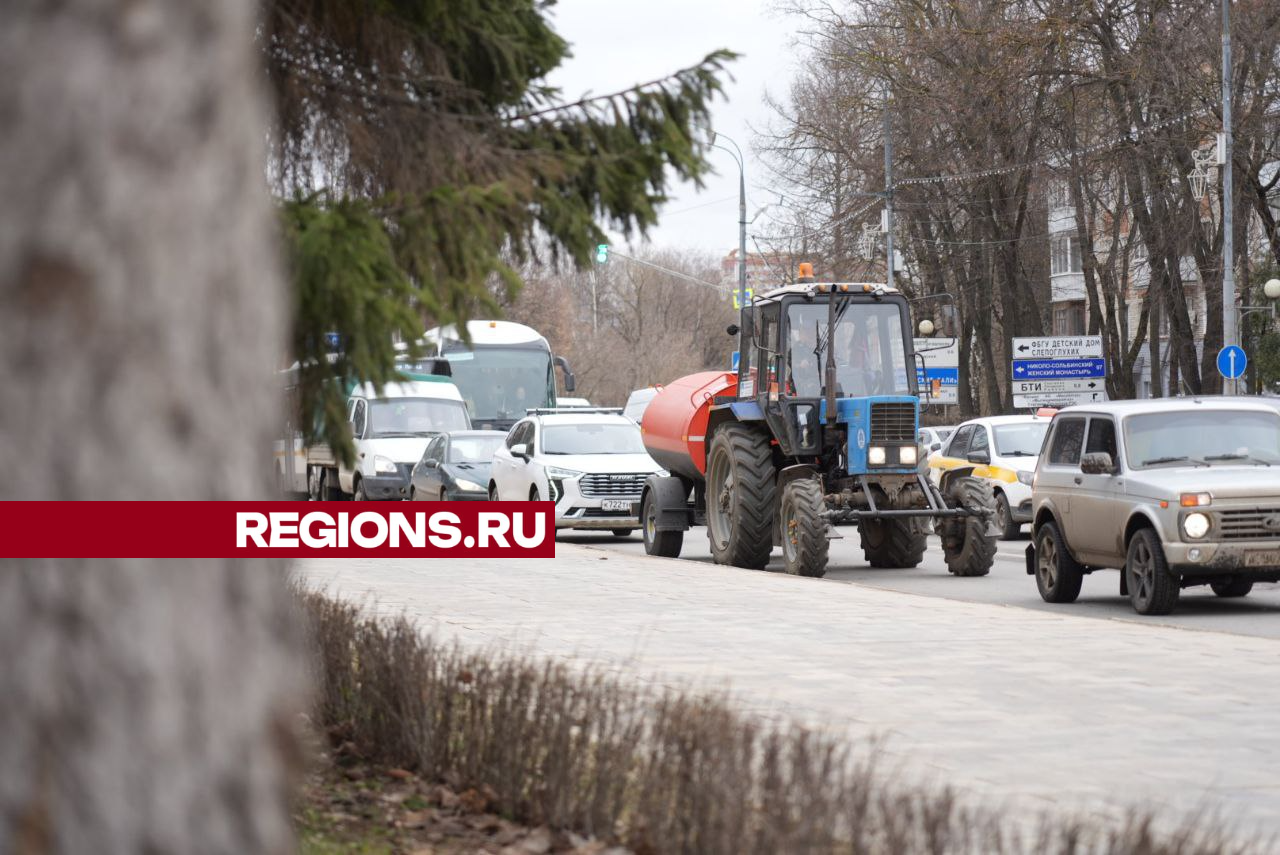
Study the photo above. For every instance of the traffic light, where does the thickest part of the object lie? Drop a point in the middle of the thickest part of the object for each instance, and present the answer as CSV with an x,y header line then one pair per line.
x,y
602,253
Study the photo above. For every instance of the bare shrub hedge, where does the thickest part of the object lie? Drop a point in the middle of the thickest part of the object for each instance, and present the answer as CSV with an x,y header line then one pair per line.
x,y
658,771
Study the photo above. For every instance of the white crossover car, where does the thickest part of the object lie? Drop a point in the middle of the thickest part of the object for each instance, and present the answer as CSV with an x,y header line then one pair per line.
x,y
591,464
1001,450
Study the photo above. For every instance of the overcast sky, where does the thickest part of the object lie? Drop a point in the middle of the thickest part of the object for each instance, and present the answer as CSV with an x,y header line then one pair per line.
x,y
617,43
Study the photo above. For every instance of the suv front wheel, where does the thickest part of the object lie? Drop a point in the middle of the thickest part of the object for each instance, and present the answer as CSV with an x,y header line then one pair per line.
x,y
1058,575
1153,590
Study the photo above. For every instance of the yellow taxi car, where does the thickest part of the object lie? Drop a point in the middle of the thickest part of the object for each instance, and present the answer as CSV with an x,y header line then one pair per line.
x,y
1001,450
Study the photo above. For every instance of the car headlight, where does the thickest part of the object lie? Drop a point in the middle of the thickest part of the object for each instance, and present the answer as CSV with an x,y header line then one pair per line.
x,y
1027,478
907,455
562,474
875,455
383,464
464,484
1195,525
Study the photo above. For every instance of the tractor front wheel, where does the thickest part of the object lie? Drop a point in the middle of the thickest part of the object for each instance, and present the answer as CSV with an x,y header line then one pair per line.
x,y
891,543
804,531
742,497
966,545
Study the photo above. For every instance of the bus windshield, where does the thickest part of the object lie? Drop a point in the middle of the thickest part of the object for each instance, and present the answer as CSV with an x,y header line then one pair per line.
x,y
871,358
501,383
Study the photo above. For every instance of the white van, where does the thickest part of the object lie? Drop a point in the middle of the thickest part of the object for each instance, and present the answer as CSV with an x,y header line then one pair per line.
x,y
391,428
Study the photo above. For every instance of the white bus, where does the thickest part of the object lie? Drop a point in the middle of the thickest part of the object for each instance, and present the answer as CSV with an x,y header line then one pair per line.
x,y
507,369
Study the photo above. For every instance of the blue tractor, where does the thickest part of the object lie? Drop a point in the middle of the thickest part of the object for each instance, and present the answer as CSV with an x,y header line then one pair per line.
x,y
821,431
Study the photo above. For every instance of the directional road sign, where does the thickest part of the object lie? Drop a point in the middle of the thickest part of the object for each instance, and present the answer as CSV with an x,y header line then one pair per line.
x,y
1065,399
1058,347
1058,369
1232,362
939,381
1058,387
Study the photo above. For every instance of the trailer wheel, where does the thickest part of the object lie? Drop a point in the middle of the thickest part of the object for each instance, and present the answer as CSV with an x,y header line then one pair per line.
x,y
966,545
742,497
890,543
804,531
662,543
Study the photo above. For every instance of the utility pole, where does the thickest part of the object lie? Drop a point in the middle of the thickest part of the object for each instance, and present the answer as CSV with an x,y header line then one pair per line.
x,y
1230,333
888,190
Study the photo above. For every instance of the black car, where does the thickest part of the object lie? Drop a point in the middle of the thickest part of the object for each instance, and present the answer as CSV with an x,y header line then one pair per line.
x,y
455,466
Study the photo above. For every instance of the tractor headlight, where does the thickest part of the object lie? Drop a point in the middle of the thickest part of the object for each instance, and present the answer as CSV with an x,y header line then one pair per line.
x,y
1195,525
907,455
383,464
875,455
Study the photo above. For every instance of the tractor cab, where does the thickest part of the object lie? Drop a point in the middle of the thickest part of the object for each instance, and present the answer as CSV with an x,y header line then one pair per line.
x,y
830,367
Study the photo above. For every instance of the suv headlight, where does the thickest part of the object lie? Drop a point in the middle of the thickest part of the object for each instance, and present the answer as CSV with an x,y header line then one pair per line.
x,y
561,474
1195,525
383,464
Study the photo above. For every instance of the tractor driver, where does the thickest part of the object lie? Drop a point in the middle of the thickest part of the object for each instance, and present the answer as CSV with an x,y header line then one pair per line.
x,y
858,376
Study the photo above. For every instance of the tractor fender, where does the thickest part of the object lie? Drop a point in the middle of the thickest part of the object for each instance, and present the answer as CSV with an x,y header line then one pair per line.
x,y
799,470
671,496
951,474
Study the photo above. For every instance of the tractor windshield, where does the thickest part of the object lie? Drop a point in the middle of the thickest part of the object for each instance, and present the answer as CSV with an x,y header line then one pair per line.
x,y
871,357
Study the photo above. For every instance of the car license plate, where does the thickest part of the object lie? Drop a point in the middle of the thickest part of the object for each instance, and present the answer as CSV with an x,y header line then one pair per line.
x,y
1262,558
615,505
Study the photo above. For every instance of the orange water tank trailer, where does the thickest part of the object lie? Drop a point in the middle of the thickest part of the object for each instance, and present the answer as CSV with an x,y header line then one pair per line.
x,y
674,425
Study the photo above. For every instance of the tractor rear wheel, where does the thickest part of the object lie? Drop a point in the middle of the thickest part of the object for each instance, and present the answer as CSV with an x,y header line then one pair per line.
x,y
742,497
966,545
804,531
891,543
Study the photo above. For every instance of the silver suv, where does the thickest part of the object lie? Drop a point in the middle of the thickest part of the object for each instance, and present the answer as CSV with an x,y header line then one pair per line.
x,y
1175,492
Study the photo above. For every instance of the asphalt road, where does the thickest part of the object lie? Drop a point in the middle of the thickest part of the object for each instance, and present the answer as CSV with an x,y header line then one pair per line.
x,y
1008,584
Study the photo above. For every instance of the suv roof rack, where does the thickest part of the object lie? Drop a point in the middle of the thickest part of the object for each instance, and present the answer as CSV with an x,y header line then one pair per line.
x,y
560,411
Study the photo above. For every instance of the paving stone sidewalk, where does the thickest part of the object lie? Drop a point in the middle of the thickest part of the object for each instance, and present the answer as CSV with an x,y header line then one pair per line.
x,y
1016,706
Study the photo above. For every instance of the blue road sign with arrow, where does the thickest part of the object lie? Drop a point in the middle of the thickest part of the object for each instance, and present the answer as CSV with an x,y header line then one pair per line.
x,y
1232,362
1058,369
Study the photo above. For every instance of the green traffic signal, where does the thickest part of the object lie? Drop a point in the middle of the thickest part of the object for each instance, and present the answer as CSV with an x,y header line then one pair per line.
x,y
602,253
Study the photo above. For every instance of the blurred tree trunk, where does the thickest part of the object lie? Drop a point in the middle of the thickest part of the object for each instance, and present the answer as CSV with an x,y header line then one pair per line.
x,y
144,705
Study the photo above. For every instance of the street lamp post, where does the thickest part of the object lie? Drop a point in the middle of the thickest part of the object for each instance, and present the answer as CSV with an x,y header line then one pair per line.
x,y
736,153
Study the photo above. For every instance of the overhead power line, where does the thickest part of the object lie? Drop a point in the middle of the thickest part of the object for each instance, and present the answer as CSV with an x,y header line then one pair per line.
x,y
1056,160
676,273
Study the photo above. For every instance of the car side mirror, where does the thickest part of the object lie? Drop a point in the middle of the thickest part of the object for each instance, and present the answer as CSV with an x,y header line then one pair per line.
x,y
433,464
520,449
978,457
1097,463
935,446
